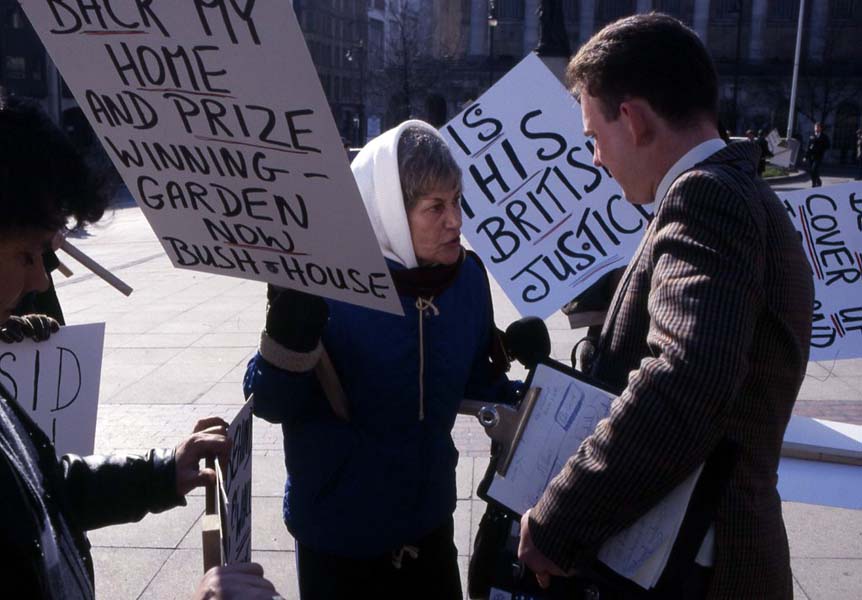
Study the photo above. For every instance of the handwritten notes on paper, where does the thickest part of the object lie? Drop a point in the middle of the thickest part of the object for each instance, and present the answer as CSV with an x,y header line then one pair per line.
x,y
829,222
565,414
546,222
213,113
57,383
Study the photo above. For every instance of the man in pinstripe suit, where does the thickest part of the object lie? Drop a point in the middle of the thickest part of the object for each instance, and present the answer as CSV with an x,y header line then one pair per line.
x,y
707,336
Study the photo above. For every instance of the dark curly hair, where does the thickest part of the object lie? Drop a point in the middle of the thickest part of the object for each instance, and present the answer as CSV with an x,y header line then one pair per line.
x,y
44,180
650,56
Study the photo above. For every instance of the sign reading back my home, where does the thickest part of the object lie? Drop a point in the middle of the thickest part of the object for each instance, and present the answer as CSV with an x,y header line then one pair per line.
x,y
213,113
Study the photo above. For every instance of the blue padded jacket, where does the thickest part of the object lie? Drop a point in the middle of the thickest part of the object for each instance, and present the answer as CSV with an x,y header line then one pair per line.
x,y
387,477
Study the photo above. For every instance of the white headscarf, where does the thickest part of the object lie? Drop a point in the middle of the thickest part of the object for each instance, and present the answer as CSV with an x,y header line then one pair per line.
x,y
375,169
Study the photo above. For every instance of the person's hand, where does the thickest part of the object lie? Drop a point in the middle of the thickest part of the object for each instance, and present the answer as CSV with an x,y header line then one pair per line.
x,y
35,327
208,440
533,558
243,581
295,319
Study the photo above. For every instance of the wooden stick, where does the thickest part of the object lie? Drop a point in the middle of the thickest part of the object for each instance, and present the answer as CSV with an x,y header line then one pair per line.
x,y
96,268
66,271
211,525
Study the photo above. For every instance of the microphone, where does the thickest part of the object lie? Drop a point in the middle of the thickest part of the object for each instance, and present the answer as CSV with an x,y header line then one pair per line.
x,y
527,340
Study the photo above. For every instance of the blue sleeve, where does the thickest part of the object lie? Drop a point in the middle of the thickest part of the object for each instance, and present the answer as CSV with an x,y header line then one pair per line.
x,y
483,384
279,396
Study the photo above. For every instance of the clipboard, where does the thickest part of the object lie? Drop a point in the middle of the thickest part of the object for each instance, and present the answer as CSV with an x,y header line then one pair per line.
x,y
564,410
506,425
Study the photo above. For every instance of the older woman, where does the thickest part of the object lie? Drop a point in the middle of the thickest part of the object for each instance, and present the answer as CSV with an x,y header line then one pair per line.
x,y
370,500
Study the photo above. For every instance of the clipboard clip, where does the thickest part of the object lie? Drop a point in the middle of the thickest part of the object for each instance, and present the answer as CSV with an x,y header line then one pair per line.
x,y
503,423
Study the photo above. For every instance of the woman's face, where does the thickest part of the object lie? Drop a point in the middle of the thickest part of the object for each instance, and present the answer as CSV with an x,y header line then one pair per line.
x,y
21,267
435,227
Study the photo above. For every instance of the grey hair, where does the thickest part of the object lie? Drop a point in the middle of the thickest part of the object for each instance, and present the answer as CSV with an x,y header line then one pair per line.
x,y
424,165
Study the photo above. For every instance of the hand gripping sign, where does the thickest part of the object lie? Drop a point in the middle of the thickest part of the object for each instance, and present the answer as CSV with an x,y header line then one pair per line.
x,y
214,116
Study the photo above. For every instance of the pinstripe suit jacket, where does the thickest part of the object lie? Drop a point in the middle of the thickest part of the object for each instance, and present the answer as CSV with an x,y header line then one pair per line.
x,y
708,336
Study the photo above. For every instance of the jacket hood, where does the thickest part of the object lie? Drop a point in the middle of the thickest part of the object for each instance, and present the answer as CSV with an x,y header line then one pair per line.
x,y
375,169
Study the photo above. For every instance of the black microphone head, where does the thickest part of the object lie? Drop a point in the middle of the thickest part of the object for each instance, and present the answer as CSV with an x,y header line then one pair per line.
x,y
527,340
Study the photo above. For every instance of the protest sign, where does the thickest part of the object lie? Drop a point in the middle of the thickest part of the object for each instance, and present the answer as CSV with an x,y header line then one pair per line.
x,y
236,520
829,222
215,118
546,222
57,383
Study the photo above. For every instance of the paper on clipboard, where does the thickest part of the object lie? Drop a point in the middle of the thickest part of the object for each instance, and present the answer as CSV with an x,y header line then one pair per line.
x,y
566,413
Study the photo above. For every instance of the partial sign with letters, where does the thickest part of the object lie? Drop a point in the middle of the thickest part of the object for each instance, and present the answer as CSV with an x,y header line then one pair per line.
x,y
236,519
829,222
213,113
544,219
57,383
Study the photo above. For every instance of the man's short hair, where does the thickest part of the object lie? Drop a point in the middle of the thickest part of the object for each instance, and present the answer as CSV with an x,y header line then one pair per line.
x,y
44,180
425,165
650,56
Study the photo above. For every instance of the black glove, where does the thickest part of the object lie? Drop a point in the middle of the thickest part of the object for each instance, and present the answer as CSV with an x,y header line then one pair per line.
x,y
36,327
527,340
295,319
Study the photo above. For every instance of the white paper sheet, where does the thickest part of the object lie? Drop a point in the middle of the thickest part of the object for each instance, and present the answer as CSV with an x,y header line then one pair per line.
x,y
57,383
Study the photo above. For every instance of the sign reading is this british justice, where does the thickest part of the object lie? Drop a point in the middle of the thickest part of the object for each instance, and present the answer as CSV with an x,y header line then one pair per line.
x,y
829,222
213,113
545,220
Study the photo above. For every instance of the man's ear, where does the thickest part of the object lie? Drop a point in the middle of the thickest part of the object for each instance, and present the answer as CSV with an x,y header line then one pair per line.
x,y
640,121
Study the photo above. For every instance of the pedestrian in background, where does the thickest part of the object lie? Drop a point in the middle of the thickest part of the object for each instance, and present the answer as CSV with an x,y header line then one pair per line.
x,y
765,152
818,144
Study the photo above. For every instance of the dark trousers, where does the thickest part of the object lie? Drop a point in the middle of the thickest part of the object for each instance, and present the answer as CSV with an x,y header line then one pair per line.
x,y
432,574
815,172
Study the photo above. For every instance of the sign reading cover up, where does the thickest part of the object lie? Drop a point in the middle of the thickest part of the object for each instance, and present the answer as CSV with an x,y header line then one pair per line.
x,y
57,383
213,114
829,221
547,223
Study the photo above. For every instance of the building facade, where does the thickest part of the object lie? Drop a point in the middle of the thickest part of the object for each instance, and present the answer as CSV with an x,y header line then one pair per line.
x,y
751,41
382,61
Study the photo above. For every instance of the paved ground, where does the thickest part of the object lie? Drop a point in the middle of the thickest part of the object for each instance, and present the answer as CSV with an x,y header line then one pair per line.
x,y
176,350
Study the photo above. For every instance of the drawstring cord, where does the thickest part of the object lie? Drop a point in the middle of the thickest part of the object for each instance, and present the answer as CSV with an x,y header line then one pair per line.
x,y
398,557
423,304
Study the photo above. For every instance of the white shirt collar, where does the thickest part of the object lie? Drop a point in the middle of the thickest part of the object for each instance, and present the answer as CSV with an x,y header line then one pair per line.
x,y
697,154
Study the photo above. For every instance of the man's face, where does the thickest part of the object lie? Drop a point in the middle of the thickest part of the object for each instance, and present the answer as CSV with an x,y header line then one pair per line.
x,y
21,268
615,150
435,227
818,129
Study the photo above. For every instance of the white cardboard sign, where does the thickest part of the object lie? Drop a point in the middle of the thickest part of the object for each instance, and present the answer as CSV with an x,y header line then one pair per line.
x,y
57,383
829,222
546,222
237,487
213,113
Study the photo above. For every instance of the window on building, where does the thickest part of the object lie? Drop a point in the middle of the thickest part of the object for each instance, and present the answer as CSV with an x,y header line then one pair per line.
x,y
510,9
725,9
16,19
845,9
15,67
375,44
782,10
671,7
570,10
614,9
